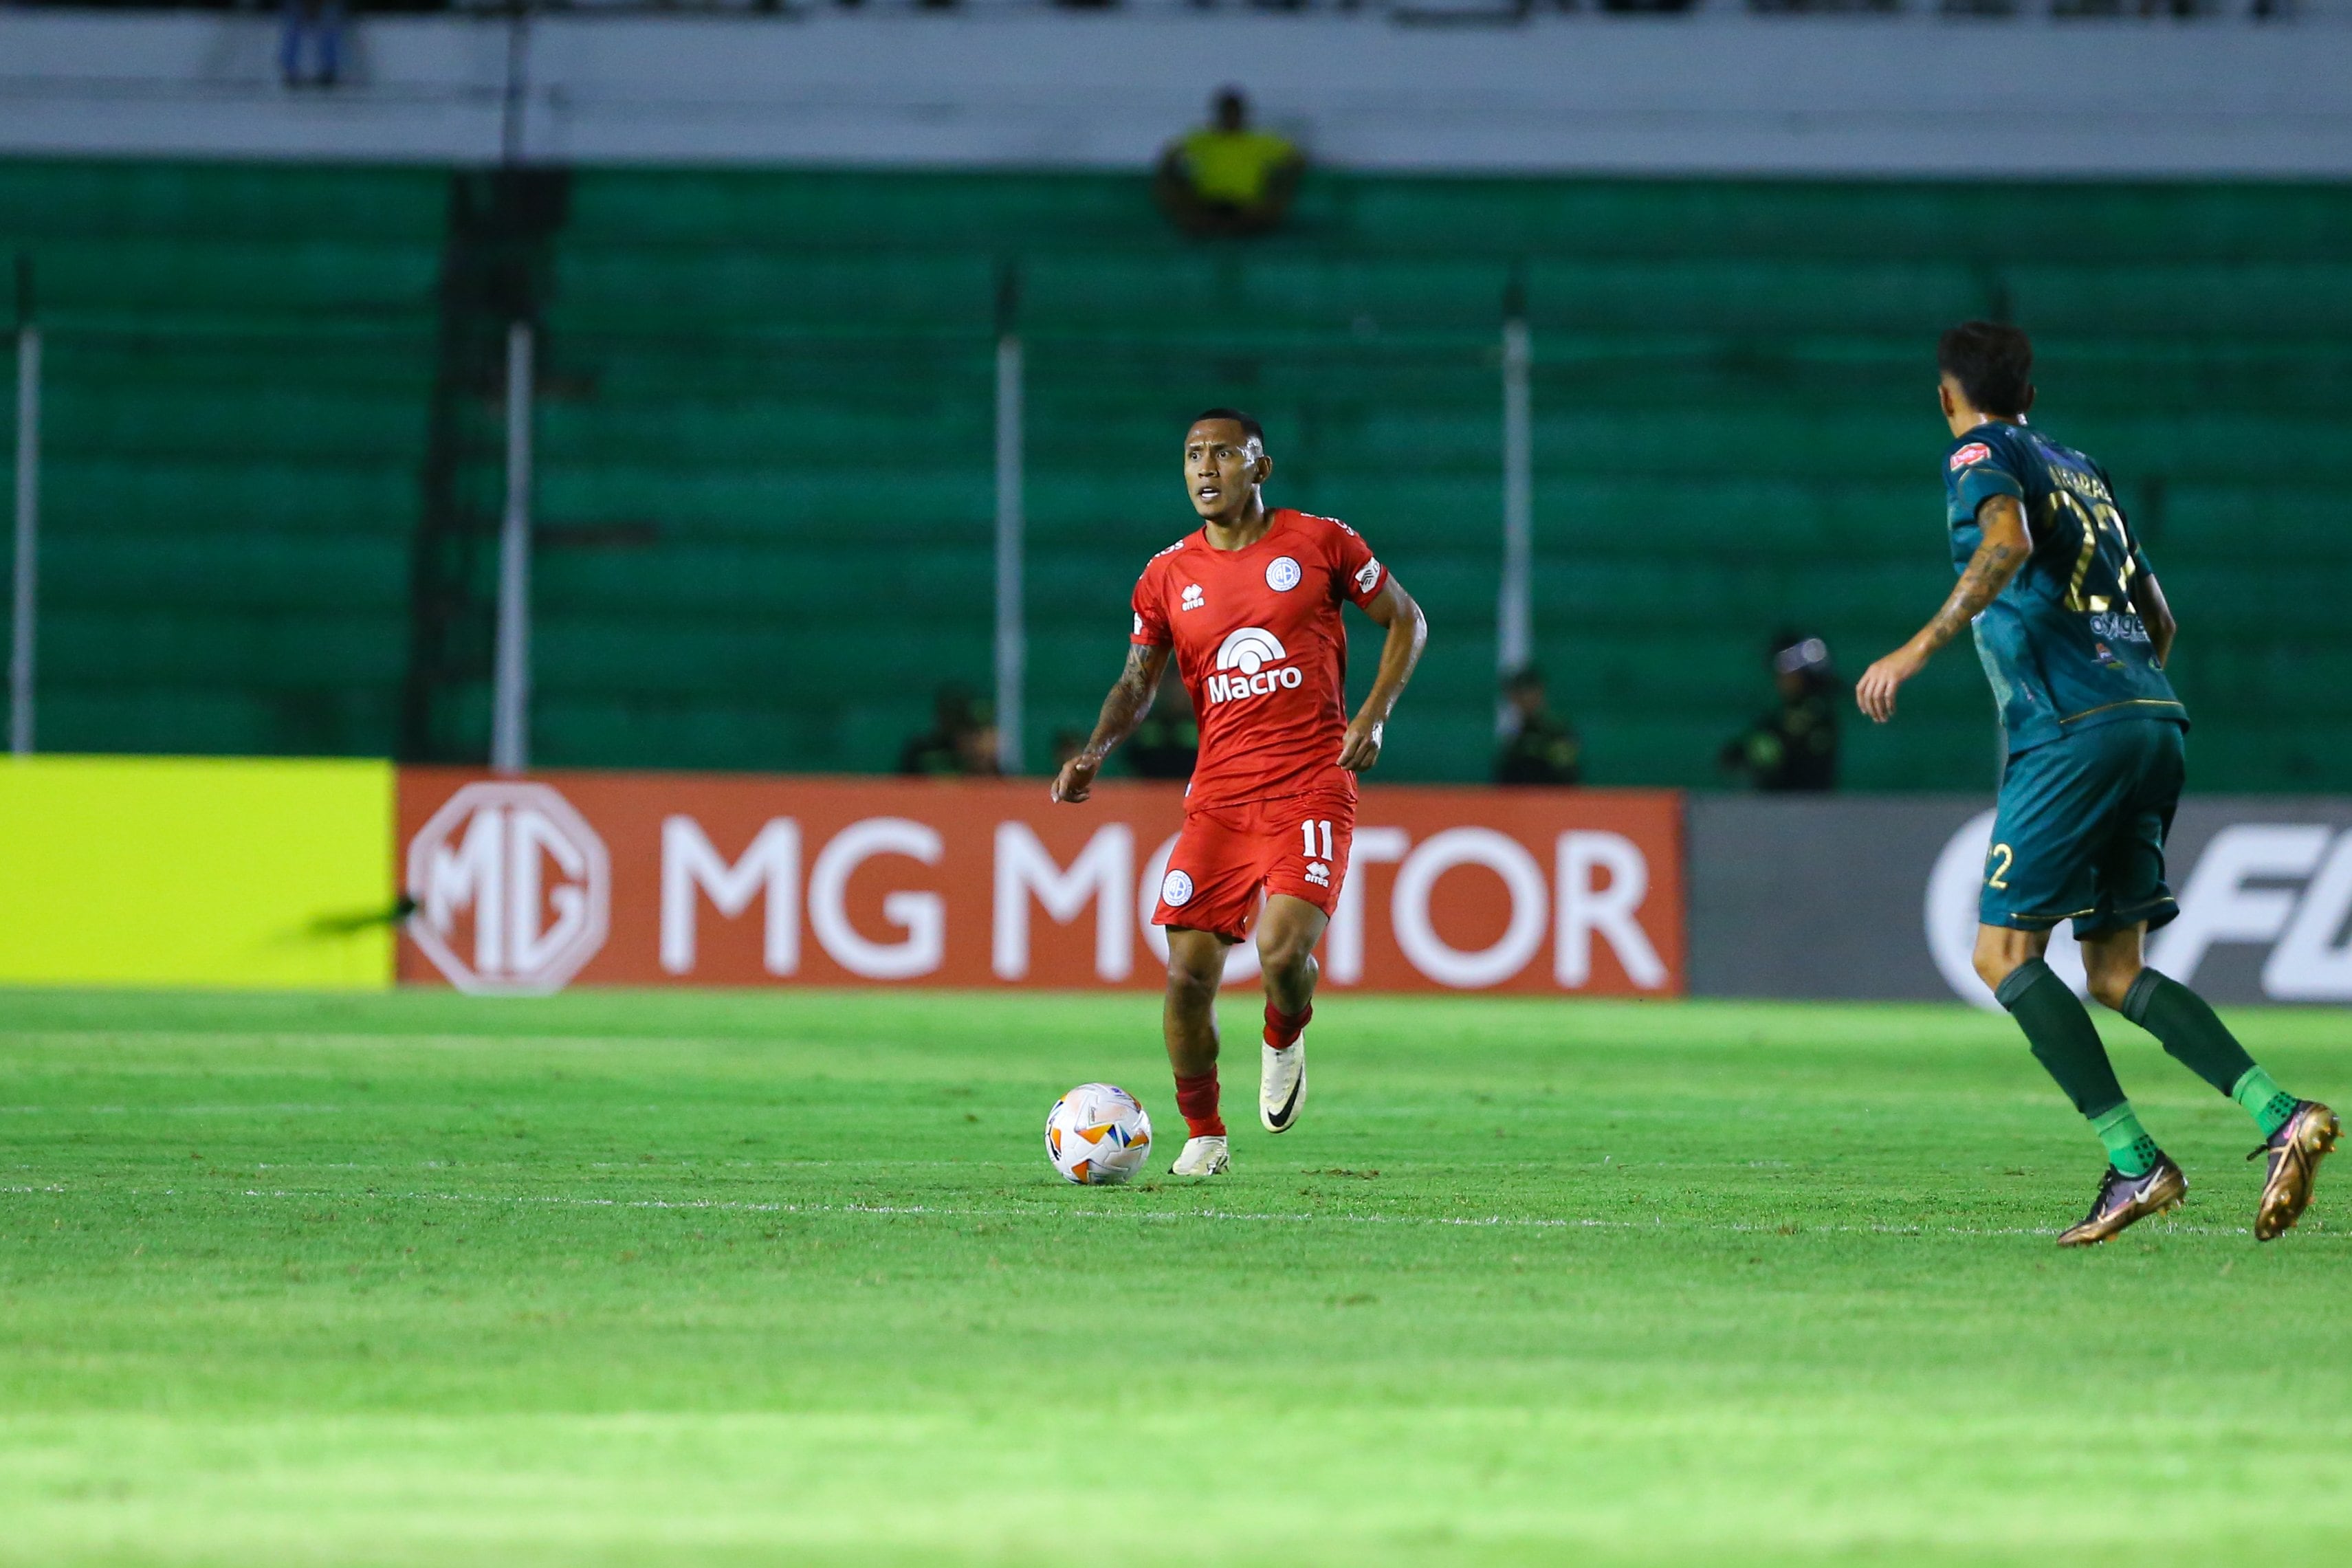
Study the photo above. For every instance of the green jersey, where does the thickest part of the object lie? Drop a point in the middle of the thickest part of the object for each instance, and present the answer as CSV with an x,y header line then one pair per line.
x,y
2062,645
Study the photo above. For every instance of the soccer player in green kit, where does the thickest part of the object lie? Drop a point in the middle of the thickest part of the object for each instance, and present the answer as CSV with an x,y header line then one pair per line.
x,y
2074,632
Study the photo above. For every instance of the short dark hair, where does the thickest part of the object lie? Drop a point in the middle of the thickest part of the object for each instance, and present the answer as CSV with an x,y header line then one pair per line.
x,y
1993,362
1250,427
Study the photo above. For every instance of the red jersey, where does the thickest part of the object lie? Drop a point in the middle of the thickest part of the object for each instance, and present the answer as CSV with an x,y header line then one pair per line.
x,y
1260,647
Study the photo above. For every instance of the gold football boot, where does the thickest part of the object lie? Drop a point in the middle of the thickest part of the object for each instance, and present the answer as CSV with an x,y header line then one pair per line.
x,y
2124,1201
2295,1151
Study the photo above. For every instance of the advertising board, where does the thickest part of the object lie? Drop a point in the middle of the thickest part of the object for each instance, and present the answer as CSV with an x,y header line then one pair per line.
x,y
177,870
528,885
1877,898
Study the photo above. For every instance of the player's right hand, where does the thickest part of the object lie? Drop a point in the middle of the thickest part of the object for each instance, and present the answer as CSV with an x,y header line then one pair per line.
x,y
1076,780
1874,692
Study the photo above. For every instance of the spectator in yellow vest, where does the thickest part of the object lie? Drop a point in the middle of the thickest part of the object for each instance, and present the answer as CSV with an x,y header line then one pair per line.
x,y
1225,178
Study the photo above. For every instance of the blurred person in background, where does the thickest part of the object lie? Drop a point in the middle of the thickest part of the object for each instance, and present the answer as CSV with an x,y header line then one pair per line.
x,y
1168,741
960,743
1795,748
976,747
1542,748
315,28
1226,178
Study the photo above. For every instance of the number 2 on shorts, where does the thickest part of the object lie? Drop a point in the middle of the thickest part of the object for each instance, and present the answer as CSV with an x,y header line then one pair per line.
x,y
1307,831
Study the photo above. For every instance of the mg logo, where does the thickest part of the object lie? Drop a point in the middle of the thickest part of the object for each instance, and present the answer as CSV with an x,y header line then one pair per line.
x,y
513,890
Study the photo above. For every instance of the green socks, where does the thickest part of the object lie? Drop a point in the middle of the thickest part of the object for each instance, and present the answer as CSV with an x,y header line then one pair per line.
x,y
2264,1101
2202,1043
2129,1148
2059,1029
2064,1040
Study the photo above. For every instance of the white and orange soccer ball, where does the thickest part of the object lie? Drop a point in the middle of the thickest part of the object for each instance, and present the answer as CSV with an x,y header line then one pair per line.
x,y
1097,1134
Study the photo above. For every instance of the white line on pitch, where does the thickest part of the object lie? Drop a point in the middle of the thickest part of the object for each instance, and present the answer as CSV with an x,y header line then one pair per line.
x,y
918,1210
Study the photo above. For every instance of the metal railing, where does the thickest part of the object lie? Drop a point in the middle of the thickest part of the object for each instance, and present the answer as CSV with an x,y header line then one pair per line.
x,y
529,381
1462,12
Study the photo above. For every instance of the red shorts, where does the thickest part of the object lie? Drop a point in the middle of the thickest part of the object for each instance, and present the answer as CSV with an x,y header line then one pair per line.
x,y
1296,844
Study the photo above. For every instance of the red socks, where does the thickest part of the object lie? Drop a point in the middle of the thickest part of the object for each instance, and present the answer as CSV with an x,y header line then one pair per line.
x,y
1283,1029
1197,1099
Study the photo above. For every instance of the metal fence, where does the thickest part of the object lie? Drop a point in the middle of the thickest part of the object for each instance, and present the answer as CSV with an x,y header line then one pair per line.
x,y
522,533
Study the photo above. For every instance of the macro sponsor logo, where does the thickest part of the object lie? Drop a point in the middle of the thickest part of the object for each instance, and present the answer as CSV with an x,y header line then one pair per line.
x,y
1249,663
2284,886
513,889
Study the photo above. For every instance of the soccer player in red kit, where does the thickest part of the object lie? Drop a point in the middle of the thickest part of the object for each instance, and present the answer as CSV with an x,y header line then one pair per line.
x,y
1250,607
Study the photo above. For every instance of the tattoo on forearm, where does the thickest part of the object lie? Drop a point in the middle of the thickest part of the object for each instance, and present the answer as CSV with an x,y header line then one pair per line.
x,y
1129,699
1990,570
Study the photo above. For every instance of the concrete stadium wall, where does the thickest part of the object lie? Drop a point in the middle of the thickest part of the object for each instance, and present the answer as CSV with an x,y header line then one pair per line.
x,y
1722,91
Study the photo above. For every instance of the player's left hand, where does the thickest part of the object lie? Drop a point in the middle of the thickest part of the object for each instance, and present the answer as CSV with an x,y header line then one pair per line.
x,y
1361,746
1874,692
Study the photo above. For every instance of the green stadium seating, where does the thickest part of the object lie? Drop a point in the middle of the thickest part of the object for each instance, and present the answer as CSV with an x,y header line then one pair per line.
x,y
765,485
239,363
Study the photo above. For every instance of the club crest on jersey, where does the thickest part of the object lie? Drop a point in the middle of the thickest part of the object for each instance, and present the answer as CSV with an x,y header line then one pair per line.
x,y
1282,574
1176,890
1254,655
1974,452
1192,599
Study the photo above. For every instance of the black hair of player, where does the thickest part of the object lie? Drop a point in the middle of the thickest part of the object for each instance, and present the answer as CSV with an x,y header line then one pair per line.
x,y
1993,362
1250,427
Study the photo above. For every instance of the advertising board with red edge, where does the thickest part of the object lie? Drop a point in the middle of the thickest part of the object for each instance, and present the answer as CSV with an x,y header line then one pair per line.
x,y
528,885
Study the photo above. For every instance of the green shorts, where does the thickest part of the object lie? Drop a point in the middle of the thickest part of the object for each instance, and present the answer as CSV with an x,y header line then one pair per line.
x,y
2080,831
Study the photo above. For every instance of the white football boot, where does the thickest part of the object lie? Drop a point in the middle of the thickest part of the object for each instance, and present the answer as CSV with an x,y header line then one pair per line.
x,y
1282,1085
1202,1157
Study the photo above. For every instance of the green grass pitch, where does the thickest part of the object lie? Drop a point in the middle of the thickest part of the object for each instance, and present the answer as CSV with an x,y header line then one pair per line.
x,y
628,1279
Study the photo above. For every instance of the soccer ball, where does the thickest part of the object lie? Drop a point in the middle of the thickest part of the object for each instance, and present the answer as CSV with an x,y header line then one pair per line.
x,y
1097,1134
